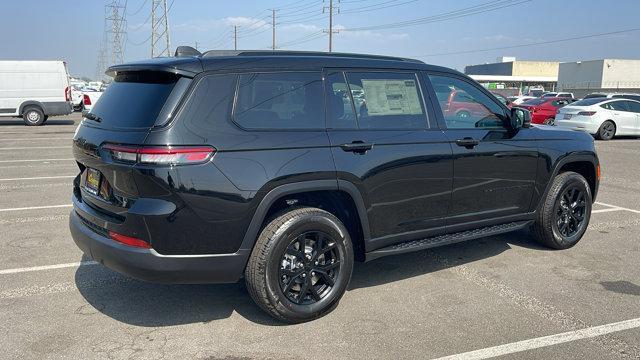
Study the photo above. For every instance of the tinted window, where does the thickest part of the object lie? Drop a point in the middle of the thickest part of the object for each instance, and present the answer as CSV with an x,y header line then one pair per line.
x,y
209,104
340,107
387,100
477,110
564,95
595,96
632,97
634,106
559,103
589,101
280,101
616,105
134,99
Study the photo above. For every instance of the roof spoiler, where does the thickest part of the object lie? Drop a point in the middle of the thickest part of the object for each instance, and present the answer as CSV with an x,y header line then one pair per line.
x,y
186,51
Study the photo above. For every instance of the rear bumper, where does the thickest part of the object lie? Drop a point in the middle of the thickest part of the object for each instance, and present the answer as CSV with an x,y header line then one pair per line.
x,y
578,125
149,265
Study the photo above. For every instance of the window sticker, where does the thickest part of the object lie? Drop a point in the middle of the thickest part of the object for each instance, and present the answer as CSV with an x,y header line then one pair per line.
x,y
391,97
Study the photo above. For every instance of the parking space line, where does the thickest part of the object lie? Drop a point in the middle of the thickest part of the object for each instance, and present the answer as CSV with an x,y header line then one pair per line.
x,y
35,160
619,207
47,267
28,139
605,210
39,178
545,341
36,207
36,147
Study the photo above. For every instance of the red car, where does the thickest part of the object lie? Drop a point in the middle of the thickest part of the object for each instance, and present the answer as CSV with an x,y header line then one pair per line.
x,y
543,110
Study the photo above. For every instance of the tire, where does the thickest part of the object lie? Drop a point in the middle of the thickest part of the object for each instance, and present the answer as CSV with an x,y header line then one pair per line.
x,y
557,224
33,116
550,121
46,117
606,131
277,270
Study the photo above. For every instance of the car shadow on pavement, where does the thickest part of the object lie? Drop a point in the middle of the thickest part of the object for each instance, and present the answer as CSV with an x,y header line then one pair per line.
x,y
145,304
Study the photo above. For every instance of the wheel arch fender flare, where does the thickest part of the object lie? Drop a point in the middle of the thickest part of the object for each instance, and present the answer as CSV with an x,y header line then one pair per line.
x,y
31,103
567,159
278,192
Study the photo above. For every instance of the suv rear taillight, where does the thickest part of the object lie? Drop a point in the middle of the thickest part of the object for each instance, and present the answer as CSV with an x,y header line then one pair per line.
x,y
161,155
67,94
86,99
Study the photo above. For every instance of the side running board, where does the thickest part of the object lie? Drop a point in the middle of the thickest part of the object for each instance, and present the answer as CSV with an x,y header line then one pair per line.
x,y
447,239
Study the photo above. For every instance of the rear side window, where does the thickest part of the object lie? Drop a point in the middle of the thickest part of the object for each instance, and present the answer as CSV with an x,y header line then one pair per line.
x,y
287,100
134,99
387,100
616,105
634,106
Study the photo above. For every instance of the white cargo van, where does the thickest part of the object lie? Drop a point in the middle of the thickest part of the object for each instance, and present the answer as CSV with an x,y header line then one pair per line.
x,y
34,90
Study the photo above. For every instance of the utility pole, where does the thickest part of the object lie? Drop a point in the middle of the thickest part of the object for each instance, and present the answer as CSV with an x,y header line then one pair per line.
x,y
235,37
331,9
273,29
196,45
160,29
115,28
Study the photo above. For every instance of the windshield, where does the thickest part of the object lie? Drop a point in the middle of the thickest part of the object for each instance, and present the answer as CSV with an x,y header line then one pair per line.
x,y
535,102
134,99
588,101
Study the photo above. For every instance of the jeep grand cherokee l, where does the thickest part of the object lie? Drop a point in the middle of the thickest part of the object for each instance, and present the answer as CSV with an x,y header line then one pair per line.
x,y
283,168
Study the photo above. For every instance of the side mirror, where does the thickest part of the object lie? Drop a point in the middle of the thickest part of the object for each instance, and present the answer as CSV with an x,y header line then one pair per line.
x,y
520,118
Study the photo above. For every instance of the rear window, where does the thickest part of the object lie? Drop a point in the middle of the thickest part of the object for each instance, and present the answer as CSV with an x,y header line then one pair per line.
x,y
134,99
588,101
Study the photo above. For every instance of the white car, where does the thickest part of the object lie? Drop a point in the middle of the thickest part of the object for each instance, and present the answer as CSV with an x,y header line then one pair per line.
x,y
614,96
517,100
558,94
602,117
89,98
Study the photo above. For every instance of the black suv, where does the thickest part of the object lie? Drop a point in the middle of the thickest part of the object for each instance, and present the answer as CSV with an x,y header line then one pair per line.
x,y
286,167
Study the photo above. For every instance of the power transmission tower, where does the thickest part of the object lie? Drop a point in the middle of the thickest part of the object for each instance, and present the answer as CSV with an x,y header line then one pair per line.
x,y
115,29
273,29
331,10
235,37
160,42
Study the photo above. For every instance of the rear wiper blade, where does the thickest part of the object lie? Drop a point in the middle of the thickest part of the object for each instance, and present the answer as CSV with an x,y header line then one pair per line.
x,y
93,117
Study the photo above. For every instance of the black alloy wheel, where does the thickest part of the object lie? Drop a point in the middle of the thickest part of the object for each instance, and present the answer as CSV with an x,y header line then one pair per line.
x,y
570,212
309,267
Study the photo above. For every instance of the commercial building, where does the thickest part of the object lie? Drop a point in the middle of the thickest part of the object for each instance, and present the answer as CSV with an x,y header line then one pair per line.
x,y
606,75
511,76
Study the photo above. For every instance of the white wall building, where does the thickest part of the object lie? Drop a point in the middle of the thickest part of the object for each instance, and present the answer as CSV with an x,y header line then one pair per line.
x,y
610,75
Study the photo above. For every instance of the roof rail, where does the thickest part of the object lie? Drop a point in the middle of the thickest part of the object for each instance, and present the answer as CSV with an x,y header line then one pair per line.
x,y
216,53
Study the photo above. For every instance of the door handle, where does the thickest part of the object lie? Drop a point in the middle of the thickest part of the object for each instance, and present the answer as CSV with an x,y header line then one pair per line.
x,y
468,142
358,147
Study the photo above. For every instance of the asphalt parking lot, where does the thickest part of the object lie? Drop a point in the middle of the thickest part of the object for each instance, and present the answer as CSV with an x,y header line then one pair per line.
x,y
504,290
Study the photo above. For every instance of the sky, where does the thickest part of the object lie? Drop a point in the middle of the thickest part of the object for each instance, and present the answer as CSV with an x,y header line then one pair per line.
x,y
447,33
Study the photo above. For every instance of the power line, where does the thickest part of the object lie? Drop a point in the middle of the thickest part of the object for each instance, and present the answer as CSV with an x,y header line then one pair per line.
x,y
374,7
534,43
139,9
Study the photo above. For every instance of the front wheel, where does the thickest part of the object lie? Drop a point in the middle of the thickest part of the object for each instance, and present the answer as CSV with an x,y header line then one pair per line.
x,y
550,121
564,215
301,265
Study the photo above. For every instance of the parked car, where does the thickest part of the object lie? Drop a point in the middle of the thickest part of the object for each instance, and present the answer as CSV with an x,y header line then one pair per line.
x,y
567,95
89,97
535,91
543,110
517,100
76,98
267,171
461,105
614,96
602,117
34,90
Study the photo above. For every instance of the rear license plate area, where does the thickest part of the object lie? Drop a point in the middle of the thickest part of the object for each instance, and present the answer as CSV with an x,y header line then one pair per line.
x,y
92,181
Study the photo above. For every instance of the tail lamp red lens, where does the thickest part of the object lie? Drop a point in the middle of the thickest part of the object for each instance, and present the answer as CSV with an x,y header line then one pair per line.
x,y
161,155
586,113
86,99
129,241
67,94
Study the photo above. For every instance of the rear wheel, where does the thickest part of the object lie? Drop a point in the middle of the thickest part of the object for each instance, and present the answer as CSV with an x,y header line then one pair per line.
x,y
33,116
564,216
550,121
606,131
301,265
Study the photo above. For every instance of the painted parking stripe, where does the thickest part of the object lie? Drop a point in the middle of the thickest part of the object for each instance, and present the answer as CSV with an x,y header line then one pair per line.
x,y
606,210
36,207
39,178
545,341
35,160
47,267
619,207
35,147
37,138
